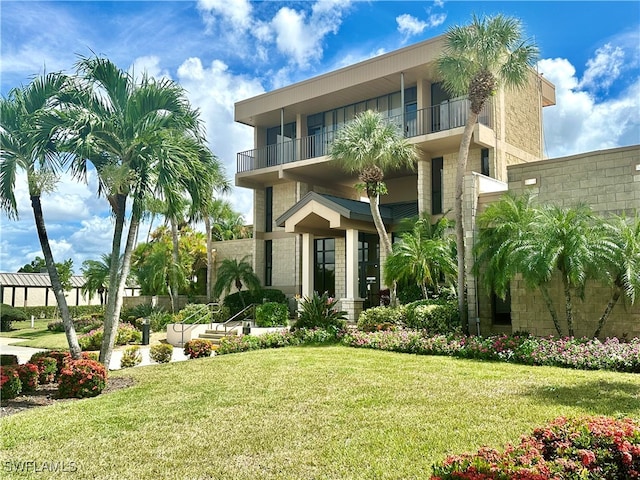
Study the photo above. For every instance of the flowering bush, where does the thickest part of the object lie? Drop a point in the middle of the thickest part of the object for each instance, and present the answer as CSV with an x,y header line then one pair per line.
x,y
589,354
127,333
161,353
10,384
131,357
29,375
584,448
47,368
244,343
199,347
381,318
82,378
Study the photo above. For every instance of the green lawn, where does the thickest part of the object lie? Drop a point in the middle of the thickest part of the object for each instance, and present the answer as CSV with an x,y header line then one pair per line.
x,y
306,413
39,336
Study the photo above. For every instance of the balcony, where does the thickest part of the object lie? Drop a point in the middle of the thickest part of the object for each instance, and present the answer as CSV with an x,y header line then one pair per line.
x,y
438,118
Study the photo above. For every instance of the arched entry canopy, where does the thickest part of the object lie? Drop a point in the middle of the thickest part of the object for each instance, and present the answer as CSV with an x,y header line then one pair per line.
x,y
321,215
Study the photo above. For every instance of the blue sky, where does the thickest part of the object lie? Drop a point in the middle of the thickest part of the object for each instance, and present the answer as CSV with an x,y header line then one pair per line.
x,y
223,51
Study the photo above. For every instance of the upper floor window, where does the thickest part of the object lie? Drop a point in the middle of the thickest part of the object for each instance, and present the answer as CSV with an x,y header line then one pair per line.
x,y
273,133
436,185
268,209
484,162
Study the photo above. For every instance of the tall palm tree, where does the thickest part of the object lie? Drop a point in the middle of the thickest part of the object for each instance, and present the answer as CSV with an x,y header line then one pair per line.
x,y
622,266
25,146
422,256
477,60
233,273
121,126
370,146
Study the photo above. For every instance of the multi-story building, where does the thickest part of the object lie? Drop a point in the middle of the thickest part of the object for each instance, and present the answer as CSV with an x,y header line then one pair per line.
x,y
312,229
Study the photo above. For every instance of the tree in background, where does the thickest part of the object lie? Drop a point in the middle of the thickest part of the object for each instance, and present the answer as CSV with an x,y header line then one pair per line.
x,y
423,256
27,144
96,276
39,265
233,273
477,60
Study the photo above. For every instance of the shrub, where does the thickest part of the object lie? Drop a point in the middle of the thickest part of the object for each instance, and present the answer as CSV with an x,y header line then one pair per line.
x,y
127,333
409,293
194,313
91,356
8,315
198,348
82,324
29,375
161,353
47,368
380,318
234,303
132,314
319,311
131,357
10,384
56,326
237,344
434,316
7,360
82,378
272,314
584,448
158,320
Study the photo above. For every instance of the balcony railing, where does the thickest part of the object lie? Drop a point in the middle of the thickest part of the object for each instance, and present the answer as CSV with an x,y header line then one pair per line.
x,y
438,118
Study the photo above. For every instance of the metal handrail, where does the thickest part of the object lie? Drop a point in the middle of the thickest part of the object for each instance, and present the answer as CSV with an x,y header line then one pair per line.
x,y
234,318
209,315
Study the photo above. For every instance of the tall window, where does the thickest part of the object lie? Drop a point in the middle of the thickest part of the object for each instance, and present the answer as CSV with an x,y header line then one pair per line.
x,y
325,266
268,209
268,263
436,185
484,162
501,309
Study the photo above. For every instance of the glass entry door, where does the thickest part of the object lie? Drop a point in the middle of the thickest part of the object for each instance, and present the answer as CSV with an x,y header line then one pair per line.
x,y
369,269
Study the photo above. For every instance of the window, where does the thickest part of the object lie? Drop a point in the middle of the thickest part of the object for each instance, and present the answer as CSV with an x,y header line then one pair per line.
x,y
325,266
274,132
436,185
268,263
268,209
484,162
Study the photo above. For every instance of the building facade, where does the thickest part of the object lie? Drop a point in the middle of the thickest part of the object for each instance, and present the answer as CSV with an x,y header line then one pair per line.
x,y
312,231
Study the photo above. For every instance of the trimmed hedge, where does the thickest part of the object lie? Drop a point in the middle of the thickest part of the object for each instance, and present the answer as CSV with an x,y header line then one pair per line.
x,y
8,315
437,317
381,318
272,314
74,311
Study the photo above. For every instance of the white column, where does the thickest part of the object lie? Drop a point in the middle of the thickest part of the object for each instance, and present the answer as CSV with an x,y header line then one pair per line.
x,y
307,264
351,266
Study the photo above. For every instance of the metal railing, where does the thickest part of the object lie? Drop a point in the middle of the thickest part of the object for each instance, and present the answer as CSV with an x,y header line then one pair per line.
x,y
211,309
438,118
235,320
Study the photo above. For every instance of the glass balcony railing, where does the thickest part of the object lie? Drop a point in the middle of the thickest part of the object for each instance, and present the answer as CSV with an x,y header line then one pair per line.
x,y
446,116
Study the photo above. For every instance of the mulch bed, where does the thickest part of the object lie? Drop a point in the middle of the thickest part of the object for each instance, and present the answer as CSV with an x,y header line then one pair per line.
x,y
47,395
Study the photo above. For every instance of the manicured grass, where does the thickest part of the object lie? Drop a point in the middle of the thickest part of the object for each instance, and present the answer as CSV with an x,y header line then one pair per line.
x,y
307,412
39,336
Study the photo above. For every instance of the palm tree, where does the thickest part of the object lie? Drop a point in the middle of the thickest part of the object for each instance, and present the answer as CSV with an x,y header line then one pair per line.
x,y
422,256
24,145
622,271
96,276
121,126
477,60
232,273
370,146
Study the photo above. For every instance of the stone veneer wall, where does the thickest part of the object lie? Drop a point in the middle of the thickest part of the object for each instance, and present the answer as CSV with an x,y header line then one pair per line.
x,y
609,181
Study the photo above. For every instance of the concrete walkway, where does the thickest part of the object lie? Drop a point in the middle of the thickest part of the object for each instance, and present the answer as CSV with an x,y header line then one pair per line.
x,y
12,346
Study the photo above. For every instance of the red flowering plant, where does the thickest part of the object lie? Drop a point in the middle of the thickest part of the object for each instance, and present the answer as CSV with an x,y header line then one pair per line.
x,y
47,368
82,378
198,348
584,448
10,384
29,375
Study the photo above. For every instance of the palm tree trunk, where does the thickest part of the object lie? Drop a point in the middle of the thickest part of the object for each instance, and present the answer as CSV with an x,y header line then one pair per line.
x,y
607,311
109,342
463,155
207,227
56,284
175,256
119,206
552,310
568,304
385,242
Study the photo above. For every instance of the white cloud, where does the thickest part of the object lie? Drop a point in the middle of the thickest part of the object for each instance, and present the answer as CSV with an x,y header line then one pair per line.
x,y
238,12
149,65
604,68
580,122
410,25
215,90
